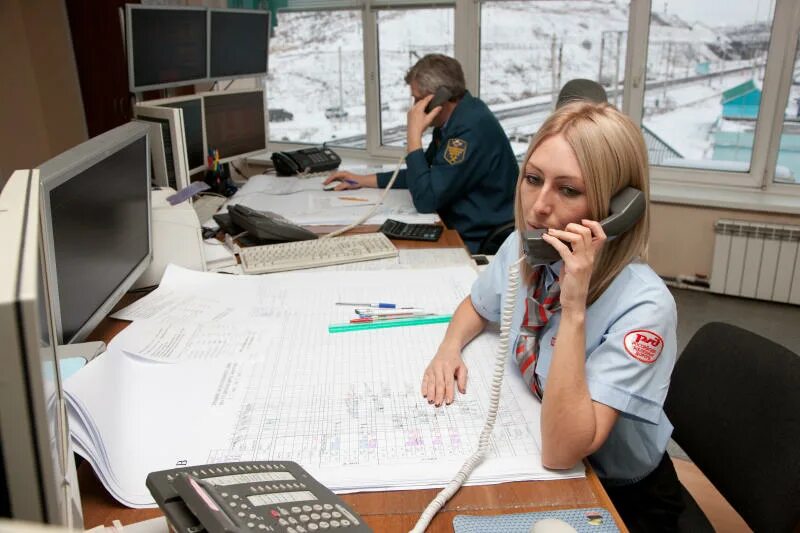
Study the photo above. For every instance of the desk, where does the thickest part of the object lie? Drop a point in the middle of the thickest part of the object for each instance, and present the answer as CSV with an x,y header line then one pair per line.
x,y
389,511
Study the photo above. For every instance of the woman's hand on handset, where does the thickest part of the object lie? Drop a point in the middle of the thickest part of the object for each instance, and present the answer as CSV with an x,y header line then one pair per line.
x,y
445,368
585,240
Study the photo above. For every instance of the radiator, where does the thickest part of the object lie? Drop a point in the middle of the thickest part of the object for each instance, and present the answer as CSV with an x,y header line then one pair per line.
x,y
757,260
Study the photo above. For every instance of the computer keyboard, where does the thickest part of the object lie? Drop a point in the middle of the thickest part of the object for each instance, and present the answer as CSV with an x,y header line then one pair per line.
x,y
316,253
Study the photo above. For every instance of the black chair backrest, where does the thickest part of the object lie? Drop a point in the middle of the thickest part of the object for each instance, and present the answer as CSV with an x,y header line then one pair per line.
x,y
735,403
495,238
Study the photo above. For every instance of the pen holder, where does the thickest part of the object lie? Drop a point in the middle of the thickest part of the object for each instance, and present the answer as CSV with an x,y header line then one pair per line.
x,y
219,181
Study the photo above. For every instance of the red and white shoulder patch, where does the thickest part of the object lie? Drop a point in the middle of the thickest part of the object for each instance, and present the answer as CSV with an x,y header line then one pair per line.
x,y
643,345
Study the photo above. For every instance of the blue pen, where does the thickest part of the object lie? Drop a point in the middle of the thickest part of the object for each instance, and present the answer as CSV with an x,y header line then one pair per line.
x,y
379,305
351,182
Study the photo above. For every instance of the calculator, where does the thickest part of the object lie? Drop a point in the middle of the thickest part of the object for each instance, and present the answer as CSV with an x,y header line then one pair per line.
x,y
250,497
394,229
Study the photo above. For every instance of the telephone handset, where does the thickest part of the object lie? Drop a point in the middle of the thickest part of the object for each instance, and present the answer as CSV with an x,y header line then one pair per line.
x,y
266,225
442,95
249,497
625,210
305,161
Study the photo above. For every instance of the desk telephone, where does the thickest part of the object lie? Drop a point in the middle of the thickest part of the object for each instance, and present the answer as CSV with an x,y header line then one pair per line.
x,y
625,210
305,161
257,496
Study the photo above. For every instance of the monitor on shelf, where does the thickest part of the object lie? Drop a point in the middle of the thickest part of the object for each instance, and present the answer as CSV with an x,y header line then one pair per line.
x,y
37,469
238,43
95,226
235,123
194,133
173,140
167,46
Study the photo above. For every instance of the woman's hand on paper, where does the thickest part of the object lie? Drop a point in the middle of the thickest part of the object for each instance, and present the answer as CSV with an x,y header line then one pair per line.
x,y
445,368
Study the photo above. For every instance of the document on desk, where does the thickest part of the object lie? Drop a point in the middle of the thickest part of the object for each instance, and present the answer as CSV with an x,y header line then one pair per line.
x,y
347,407
317,207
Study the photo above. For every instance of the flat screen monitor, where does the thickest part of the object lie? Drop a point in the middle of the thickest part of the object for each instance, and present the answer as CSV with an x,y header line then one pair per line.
x,y
96,226
238,43
173,140
235,123
37,469
192,108
167,46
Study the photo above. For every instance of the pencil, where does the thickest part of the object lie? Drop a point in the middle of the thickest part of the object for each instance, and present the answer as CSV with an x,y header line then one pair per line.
x,y
353,198
379,324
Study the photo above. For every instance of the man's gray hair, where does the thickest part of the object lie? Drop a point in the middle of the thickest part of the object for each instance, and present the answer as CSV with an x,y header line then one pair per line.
x,y
437,70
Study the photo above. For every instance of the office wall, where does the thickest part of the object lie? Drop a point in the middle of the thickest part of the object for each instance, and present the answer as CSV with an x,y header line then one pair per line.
x,y
682,237
41,113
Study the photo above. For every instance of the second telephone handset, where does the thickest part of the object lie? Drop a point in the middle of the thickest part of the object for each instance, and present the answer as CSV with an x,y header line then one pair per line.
x,y
442,95
625,210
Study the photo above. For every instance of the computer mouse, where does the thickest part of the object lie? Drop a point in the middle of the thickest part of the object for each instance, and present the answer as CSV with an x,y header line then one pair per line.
x,y
552,525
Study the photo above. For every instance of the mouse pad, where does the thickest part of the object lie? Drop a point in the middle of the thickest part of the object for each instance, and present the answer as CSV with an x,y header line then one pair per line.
x,y
587,520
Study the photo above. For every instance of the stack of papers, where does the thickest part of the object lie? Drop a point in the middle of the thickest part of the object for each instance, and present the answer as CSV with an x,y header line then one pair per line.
x,y
219,368
302,201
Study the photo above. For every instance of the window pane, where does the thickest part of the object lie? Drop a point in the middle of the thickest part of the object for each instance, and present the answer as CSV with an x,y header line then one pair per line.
x,y
788,167
404,36
705,70
315,85
530,49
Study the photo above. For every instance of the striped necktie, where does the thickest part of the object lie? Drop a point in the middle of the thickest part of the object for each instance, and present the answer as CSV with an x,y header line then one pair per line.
x,y
539,307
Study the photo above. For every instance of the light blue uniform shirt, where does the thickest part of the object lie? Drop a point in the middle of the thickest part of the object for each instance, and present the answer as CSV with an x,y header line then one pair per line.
x,y
630,352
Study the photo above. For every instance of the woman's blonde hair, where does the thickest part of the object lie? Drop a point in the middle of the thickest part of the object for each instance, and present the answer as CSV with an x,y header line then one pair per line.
x,y
612,155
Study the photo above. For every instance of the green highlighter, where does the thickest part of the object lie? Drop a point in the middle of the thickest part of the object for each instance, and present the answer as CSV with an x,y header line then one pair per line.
x,y
412,321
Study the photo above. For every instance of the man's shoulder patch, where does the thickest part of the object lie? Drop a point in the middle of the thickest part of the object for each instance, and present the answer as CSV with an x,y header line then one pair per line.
x,y
455,151
643,345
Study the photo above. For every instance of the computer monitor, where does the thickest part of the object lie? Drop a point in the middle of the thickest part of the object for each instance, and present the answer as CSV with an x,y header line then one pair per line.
x,y
173,140
37,469
167,46
158,163
95,226
238,43
195,134
235,123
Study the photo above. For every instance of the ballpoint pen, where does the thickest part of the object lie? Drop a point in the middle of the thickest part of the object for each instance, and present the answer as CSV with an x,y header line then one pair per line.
x,y
372,311
379,305
379,324
351,182
378,318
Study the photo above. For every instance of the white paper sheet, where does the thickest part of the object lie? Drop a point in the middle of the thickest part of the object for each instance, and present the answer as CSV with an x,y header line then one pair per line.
x,y
318,207
347,407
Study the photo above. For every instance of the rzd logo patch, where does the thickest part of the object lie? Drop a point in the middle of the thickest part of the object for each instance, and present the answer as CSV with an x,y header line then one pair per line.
x,y
643,345
455,151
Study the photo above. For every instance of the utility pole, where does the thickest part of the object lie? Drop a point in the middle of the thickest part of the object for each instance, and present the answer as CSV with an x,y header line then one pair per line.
x,y
341,100
602,50
616,70
553,84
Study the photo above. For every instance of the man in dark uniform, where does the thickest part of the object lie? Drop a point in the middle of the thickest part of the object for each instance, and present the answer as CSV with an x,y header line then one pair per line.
x,y
468,173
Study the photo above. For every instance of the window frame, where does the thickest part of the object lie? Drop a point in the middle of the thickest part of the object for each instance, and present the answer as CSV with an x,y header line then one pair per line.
x,y
781,55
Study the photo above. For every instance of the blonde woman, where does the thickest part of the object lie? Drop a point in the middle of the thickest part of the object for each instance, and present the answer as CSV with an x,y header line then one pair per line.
x,y
593,334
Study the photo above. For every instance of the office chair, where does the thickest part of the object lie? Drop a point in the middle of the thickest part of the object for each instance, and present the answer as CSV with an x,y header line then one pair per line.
x,y
495,238
735,403
581,89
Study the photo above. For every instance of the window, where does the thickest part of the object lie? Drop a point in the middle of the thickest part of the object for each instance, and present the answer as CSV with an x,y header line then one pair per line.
x,y
705,76
530,49
315,85
788,166
404,36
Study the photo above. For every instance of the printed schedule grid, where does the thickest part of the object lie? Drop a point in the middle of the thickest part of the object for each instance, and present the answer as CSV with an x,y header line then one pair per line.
x,y
353,401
